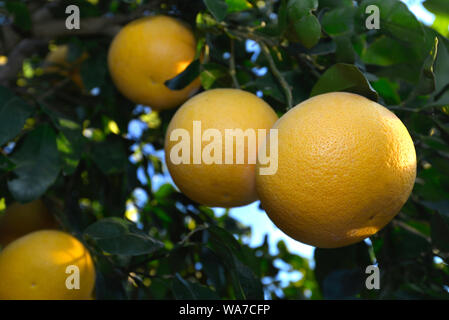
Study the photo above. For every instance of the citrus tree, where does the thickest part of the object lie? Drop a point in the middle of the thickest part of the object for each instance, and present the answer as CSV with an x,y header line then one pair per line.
x,y
93,155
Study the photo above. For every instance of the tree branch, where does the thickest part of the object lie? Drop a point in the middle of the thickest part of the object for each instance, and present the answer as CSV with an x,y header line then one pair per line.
x,y
284,84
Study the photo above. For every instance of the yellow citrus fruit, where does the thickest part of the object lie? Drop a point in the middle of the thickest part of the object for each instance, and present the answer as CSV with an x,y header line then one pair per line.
x,y
21,219
146,53
35,267
214,184
57,62
346,166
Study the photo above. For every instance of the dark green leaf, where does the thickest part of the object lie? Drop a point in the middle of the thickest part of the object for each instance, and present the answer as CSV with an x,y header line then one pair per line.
x,y
121,237
245,283
440,231
344,77
70,143
183,79
407,244
218,8
396,20
344,51
13,114
37,164
426,84
282,17
340,271
93,70
308,30
109,156
387,90
6,164
385,51
441,66
188,290
299,8
439,7
22,17
211,73
338,21
342,284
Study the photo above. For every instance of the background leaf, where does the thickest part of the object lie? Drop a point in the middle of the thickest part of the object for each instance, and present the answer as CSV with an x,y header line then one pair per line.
x,y
183,79
117,236
13,114
37,165
344,77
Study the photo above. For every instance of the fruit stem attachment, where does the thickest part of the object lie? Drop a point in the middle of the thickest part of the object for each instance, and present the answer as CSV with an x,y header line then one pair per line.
x,y
284,84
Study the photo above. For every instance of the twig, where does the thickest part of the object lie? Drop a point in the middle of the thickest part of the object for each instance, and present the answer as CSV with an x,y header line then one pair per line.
x,y
284,84
53,89
163,254
410,229
232,70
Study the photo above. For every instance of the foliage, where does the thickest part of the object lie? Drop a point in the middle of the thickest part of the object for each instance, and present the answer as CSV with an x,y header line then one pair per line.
x,y
74,146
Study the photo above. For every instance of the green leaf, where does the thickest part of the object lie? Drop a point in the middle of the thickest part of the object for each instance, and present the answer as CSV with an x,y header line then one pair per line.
x,y
70,142
13,114
121,237
5,164
164,191
218,8
213,268
224,245
37,165
344,50
440,231
441,66
188,290
340,271
22,17
438,7
386,51
387,90
299,8
109,156
93,70
282,17
426,84
396,20
344,77
211,73
237,5
183,79
338,21
408,245
308,30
